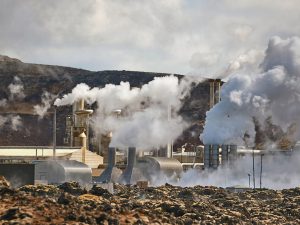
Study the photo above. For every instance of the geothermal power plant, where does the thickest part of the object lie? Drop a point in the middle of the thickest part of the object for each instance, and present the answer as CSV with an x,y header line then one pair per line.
x,y
108,164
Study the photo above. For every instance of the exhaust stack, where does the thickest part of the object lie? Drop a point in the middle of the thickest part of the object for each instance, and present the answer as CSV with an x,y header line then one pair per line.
x,y
131,174
214,92
111,173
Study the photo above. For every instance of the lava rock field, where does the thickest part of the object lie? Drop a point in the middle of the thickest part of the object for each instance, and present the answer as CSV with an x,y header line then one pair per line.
x,y
70,204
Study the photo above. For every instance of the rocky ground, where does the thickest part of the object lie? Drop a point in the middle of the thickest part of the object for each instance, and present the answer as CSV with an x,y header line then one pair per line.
x,y
70,204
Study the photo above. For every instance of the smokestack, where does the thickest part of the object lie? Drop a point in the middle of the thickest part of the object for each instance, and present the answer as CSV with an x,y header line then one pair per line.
x,y
54,133
131,161
211,93
217,90
111,173
80,104
111,157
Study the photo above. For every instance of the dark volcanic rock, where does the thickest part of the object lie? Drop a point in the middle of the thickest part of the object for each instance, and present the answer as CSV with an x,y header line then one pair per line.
x,y
73,188
161,205
99,191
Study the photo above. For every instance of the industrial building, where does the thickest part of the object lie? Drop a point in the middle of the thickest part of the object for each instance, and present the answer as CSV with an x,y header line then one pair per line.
x,y
75,162
105,164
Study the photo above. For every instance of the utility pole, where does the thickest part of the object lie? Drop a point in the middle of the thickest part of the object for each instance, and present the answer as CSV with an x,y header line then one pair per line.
x,y
249,176
54,133
261,168
253,168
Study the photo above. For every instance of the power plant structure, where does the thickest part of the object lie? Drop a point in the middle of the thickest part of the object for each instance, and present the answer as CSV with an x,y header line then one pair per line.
x,y
214,91
76,162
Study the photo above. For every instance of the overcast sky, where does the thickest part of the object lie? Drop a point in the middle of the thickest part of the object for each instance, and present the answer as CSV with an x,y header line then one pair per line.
x,y
172,36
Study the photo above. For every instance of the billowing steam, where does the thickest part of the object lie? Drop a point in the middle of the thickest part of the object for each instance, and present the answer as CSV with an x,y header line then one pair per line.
x,y
16,89
143,117
13,121
3,102
3,120
42,109
272,94
16,122
278,172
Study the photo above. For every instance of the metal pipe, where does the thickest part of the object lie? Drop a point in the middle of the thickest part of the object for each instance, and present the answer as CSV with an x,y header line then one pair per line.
x,y
249,176
111,156
131,161
170,142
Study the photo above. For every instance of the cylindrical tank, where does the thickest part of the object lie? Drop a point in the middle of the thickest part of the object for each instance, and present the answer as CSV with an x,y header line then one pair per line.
x,y
60,171
154,167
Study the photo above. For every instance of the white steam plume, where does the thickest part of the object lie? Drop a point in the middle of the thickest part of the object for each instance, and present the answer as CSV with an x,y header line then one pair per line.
x,y
16,89
274,93
3,120
3,102
279,171
143,122
13,121
16,122
42,109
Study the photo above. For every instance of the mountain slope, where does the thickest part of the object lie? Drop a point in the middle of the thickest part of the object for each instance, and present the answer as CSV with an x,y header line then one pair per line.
x,y
59,80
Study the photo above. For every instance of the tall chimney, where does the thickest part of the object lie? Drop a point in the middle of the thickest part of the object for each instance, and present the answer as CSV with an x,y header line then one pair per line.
x,y
217,91
211,93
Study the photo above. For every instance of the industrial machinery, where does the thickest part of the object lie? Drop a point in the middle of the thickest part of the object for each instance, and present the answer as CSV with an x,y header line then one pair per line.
x,y
145,168
60,171
159,166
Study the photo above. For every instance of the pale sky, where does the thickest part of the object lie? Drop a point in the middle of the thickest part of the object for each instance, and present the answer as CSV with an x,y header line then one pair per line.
x,y
172,36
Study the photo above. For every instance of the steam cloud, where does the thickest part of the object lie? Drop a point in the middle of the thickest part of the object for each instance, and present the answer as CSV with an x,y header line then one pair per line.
x,y
16,89
14,122
42,109
3,102
144,111
279,171
272,93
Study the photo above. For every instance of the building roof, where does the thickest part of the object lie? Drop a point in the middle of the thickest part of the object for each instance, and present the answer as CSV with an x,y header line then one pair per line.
x,y
34,151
